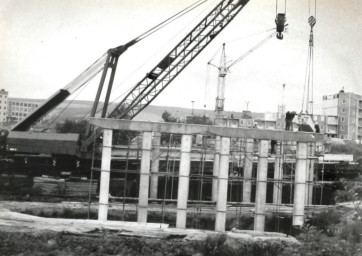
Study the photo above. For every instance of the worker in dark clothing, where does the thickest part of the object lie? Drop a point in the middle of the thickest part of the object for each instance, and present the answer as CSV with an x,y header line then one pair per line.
x,y
289,116
316,128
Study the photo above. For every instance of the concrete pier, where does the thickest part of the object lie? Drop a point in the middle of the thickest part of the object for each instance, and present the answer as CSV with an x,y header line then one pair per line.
x,y
105,175
299,184
261,183
310,174
144,177
156,141
278,174
248,170
183,182
223,185
216,167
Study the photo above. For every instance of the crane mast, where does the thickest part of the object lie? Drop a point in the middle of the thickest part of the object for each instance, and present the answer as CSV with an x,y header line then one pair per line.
x,y
144,92
220,97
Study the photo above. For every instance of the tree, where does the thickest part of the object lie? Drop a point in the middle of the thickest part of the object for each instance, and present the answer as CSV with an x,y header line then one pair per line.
x,y
167,117
71,126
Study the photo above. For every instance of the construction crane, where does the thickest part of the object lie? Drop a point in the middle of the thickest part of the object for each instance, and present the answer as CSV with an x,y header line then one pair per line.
x,y
224,68
155,81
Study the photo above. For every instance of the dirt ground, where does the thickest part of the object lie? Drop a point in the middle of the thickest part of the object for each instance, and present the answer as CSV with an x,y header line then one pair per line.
x,y
22,234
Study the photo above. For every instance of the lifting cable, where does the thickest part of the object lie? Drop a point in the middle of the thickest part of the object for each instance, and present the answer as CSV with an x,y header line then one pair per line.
x,y
169,20
137,69
307,102
280,19
88,75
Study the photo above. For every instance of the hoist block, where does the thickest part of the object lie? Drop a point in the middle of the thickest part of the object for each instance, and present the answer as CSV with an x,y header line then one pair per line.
x,y
280,22
312,21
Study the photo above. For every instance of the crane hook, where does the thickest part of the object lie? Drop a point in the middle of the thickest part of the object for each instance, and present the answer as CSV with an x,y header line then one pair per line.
x,y
280,22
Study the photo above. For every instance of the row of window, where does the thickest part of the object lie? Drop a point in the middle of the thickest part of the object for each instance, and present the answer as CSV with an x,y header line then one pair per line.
x,y
344,119
18,114
24,104
21,109
5,96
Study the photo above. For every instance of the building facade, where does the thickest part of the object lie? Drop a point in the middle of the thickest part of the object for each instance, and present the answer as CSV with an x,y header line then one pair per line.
x,y
19,108
3,105
345,109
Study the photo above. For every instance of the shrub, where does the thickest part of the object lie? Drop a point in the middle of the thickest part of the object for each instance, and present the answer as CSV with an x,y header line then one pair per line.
x,y
324,220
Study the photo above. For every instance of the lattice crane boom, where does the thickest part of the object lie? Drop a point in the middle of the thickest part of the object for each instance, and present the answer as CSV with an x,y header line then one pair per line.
x,y
144,92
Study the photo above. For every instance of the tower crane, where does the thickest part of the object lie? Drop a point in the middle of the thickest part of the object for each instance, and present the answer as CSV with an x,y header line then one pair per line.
x,y
223,70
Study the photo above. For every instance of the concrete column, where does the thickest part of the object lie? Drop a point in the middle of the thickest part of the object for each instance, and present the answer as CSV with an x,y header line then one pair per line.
x,y
156,141
248,170
278,174
299,184
105,175
222,185
261,182
144,177
216,169
310,174
183,181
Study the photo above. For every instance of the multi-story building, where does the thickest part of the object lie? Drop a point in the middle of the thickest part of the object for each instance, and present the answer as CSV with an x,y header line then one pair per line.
x,y
346,107
19,108
268,121
3,105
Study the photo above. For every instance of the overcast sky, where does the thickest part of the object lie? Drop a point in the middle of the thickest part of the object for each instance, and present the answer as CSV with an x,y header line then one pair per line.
x,y
44,44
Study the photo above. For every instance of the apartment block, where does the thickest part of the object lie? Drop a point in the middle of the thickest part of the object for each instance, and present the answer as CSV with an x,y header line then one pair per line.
x,y
3,105
346,107
19,108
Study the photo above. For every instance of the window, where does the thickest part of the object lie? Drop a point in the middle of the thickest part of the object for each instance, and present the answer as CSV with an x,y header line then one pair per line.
x,y
322,118
342,119
342,128
21,103
343,110
343,101
322,127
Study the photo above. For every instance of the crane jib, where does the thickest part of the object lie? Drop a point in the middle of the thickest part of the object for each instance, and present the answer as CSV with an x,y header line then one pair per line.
x,y
155,81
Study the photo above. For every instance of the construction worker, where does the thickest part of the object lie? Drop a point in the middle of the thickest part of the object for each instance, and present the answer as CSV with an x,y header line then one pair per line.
x,y
316,128
289,116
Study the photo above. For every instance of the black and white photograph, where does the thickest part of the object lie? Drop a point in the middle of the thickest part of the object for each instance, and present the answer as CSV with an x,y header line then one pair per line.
x,y
181,128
